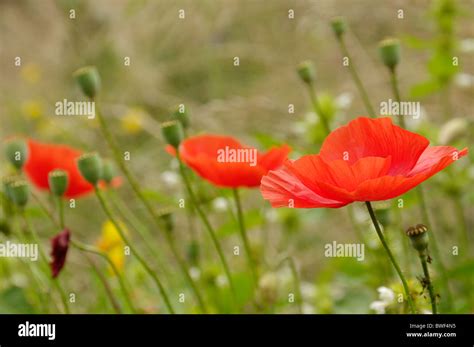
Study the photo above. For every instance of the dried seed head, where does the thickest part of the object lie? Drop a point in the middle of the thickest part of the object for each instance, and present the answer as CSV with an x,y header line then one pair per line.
x,y
418,236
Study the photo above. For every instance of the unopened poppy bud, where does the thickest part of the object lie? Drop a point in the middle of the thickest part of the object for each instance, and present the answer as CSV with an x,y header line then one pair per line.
x,y
17,152
7,182
58,181
419,237
166,216
306,71
88,79
59,248
90,166
108,171
181,114
172,132
19,192
338,26
389,50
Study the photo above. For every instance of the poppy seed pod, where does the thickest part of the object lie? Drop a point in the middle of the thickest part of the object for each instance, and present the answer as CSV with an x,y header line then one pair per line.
x,y
7,181
16,152
19,192
90,166
338,26
418,237
306,72
58,181
389,50
108,171
172,132
88,79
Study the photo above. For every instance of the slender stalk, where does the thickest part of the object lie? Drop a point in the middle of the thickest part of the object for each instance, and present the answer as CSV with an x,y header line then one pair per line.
x,y
462,221
43,256
391,257
243,235
142,262
136,189
208,226
428,282
296,282
396,92
356,78
60,211
316,107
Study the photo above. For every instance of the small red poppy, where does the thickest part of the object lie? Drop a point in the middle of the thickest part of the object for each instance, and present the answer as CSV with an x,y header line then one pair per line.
x,y
60,246
366,160
44,158
225,162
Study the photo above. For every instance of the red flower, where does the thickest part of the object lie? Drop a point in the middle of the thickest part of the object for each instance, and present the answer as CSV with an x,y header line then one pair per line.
x,y
223,161
366,160
44,158
60,246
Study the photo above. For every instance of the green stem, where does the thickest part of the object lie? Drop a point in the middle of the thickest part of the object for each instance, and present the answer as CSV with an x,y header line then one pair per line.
x,y
136,189
396,92
43,256
429,284
208,226
356,78
243,235
296,281
317,108
390,255
142,262
61,212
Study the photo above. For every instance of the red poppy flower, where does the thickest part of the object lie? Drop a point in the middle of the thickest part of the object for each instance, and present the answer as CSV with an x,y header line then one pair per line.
x,y
223,161
366,160
44,158
60,246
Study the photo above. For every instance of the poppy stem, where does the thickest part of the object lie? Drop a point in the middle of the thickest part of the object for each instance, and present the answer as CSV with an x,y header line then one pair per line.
x,y
208,226
142,262
356,78
89,249
43,256
396,93
427,280
390,255
317,107
111,142
296,281
61,212
243,235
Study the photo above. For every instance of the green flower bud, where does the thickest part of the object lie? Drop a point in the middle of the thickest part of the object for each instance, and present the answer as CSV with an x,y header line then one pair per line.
x,y
7,182
58,182
306,71
17,153
338,26
166,216
181,114
389,50
418,237
172,132
108,171
88,79
19,192
90,166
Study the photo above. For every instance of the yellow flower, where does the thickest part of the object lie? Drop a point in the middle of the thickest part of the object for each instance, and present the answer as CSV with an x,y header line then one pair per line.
x,y
132,121
32,109
111,243
31,73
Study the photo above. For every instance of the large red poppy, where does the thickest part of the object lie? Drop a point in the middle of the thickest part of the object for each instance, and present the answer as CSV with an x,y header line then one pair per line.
x,y
204,155
366,160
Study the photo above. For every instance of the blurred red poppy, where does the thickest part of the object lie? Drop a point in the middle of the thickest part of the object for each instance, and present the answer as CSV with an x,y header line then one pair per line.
x,y
223,161
44,158
366,160
60,246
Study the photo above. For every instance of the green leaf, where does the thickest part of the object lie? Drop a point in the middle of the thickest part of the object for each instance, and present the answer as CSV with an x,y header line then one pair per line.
x,y
13,300
424,89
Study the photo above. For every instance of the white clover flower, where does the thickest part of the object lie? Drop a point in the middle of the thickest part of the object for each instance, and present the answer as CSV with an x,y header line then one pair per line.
x,y
220,204
386,295
378,306
344,100
170,178
195,273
